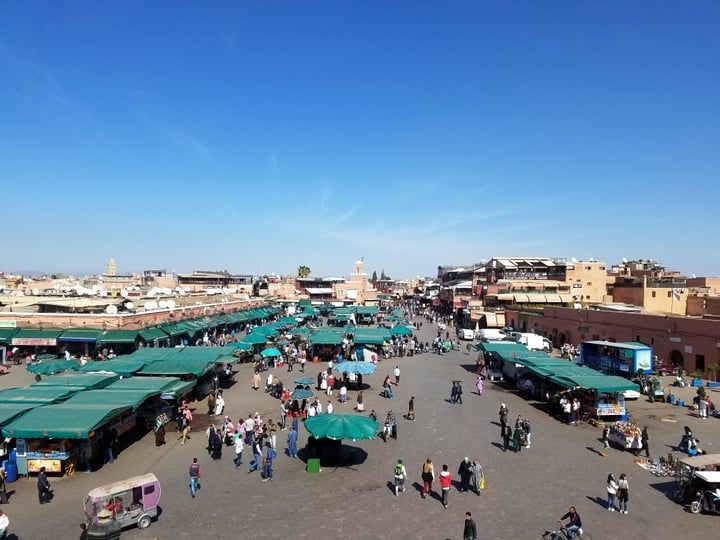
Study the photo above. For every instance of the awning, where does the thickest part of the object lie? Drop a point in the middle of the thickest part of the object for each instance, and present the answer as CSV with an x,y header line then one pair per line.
x,y
151,334
553,298
62,421
110,398
521,298
177,389
80,335
118,336
6,334
120,366
81,380
505,297
319,290
566,298
36,337
34,395
9,411
536,298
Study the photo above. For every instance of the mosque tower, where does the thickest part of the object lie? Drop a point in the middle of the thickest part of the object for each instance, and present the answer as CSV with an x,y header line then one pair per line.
x,y
111,269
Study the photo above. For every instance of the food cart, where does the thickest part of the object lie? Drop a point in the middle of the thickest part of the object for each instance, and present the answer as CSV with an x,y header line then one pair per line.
x,y
685,472
625,435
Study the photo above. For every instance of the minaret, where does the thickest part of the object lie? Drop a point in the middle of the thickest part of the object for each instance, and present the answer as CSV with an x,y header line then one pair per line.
x,y
111,270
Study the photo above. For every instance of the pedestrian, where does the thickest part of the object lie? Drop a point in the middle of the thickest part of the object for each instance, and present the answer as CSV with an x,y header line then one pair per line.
x,y
464,473
503,414
428,475
110,444
329,409
159,431
4,524
507,436
219,404
184,429
195,474
453,393
458,393
605,436
360,407
445,483
267,472
400,476
239,447
644,440
477,477
256,380
527,431
479,385
611,487
283,414
411,409
469,529
211,404
292,442
623,494
257,455
397,375
518,438
43,486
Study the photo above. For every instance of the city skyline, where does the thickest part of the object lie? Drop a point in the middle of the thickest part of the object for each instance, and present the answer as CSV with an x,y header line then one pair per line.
x,y
259,137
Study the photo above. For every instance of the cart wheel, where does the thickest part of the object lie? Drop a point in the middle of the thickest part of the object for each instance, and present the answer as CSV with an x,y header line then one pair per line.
x,y
144,521
695,507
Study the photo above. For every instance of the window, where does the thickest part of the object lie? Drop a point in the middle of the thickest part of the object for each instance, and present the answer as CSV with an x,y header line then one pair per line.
x,y
669,293
589,283
653,294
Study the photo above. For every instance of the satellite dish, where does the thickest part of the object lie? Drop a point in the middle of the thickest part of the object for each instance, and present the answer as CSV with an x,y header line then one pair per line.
x,y
111,309
591,259
129,306
124,293
162,304
149,306
624,260
171,304
574,260
692,275
206,310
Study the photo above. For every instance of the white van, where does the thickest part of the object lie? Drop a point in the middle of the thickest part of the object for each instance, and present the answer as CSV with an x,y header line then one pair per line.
x,y
492,334
467,334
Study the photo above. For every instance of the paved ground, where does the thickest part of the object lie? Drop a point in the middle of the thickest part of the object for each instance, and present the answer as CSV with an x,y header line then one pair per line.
x,y
525,494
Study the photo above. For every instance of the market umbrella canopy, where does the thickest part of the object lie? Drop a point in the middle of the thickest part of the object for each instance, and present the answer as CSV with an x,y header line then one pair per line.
x,y
342,426
305,381
270,351
363,368
53,367
301,393
255,338
241,346
400,330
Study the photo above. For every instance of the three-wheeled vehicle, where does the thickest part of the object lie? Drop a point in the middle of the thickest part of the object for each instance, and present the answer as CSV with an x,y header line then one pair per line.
x,y
133,501
685,475
707,492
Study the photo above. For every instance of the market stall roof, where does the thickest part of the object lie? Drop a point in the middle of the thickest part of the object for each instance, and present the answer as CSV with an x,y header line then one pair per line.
x,y
326,337
144,383
80,335
255,338
86,381
179,366
6,334
107,397
35,395
150,354
151,334
601,383
36,336
62,421
371,336
50,367
119,366
178,389
9,411
118,336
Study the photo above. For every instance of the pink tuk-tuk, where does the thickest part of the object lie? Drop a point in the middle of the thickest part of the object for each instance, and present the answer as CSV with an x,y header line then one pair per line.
x,y
133,501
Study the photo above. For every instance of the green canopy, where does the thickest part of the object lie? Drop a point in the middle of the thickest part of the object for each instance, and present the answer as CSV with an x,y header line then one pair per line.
x,y
151,334
342,426
53,366
87,381
178,367
601,383
111,337
178,389
35,395
6,334
37,337
107,398
400,330
62,421
241,346
8,411
119,366
255,339
326,337
153,384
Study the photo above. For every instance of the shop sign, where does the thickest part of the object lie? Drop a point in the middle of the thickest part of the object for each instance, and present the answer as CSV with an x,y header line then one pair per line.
x,y
51,465
675,339
35,342
583,329
8,323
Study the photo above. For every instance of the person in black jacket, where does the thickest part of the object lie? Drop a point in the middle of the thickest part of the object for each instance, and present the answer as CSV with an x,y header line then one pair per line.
x,y
470,529
465,472
43,486
574,524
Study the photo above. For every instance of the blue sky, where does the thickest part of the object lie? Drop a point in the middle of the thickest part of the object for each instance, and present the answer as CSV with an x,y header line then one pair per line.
x,y
259,136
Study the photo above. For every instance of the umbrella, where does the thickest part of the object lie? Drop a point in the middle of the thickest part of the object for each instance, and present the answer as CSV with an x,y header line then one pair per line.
x,y
282,342
50,368
255,339
301,393
363,368
342,426
287,320
270,351
265,331
304,381
241,346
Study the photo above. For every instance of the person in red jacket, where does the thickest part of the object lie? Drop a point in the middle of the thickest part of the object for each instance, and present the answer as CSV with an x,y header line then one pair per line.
x,y
445,483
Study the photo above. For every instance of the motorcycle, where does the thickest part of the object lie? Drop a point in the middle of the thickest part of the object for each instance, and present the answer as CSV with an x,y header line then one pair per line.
x,y
706,502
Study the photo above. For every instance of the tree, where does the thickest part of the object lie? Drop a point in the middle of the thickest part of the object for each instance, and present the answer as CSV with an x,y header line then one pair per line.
x,y
713,369
383,276
373,279
303,271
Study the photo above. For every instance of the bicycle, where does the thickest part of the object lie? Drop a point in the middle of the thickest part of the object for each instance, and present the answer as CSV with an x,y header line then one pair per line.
x,y
562,534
